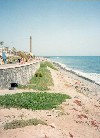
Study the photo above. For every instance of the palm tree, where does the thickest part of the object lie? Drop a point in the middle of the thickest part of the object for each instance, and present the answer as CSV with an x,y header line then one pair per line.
x,y
1,43
14,50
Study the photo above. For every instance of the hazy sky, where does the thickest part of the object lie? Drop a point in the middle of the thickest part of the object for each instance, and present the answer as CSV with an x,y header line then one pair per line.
x,y
57,27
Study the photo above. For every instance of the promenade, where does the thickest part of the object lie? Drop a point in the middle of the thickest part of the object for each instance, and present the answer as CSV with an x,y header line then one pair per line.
x,y
6,66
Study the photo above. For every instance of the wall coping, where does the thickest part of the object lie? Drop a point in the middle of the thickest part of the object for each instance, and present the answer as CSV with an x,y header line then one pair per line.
x,y
9,66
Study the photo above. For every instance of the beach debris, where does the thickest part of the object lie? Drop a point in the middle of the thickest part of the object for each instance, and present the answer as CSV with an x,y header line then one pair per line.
x,y
82,116
48,115
78,82
78,102
94,123
80,122
70,135
61,113
76,97
97,106
46,136
67,113
87,123
52,125
67,85
86,111
74,109
76,87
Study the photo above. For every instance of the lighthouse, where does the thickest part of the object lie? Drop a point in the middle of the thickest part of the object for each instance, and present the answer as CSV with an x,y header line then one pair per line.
x,y
30,44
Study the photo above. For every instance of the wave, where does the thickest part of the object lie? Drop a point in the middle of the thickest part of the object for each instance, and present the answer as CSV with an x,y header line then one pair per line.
x,y
93,77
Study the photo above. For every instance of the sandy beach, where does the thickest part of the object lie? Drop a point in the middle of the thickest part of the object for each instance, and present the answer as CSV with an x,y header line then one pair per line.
x,y
78,117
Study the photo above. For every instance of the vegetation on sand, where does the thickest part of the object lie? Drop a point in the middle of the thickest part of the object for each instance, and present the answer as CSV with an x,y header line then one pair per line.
x,y
42,78
48,64
34,101
22,123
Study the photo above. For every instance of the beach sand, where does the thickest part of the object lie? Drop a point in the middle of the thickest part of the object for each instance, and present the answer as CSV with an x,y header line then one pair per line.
x,y
78,117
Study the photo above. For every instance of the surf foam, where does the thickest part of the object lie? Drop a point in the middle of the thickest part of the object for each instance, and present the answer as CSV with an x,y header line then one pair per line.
x,y
91,76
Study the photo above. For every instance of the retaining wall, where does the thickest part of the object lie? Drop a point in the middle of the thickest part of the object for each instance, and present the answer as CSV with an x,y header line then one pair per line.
x,y
20,74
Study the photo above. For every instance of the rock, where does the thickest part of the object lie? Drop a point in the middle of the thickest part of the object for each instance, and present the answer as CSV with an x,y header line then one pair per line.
x,y
52,125
78,102
70,135
48,115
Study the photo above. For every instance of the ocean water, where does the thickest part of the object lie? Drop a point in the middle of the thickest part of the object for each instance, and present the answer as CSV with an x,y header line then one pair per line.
x,y
87,66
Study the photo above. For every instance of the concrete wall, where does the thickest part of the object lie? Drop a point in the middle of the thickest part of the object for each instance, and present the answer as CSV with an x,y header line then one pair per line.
x,y
20,74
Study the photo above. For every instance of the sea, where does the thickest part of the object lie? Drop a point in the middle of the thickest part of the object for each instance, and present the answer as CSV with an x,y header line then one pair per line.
x,y
86,66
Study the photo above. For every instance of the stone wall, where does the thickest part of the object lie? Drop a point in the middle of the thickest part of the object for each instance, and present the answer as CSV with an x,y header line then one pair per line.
x,y
20,74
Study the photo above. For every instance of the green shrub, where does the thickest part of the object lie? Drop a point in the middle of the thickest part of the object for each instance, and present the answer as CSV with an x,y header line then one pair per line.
x,y
38,74
34,101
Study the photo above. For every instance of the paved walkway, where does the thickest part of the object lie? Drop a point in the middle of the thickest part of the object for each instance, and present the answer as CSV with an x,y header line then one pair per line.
x,y
5,66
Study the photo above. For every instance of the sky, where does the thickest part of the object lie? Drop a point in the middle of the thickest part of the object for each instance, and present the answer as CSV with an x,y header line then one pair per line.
x,y
57,27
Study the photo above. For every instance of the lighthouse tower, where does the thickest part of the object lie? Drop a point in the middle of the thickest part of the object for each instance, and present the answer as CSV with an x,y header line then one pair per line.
x,y
30,44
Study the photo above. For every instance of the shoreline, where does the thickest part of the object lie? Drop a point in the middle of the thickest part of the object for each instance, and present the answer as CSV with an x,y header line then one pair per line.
x,y
73,72
83,85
